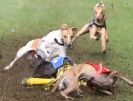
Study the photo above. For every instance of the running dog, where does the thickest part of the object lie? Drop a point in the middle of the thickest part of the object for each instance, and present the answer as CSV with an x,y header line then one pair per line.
x,y
96,27
55,43
99,78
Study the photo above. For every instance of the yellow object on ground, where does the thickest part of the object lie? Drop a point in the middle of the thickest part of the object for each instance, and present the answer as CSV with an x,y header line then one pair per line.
x,y
37,81
45,81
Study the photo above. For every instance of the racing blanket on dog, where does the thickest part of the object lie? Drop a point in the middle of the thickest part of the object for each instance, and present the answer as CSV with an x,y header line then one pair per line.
x,y
50,69
59,61
101,70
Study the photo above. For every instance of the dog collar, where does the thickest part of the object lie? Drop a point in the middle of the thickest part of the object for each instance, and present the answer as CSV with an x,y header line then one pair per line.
x,y
61,44
98,25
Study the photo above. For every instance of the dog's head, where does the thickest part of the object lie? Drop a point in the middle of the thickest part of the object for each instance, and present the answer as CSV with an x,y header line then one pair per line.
x,y
68,34
99,11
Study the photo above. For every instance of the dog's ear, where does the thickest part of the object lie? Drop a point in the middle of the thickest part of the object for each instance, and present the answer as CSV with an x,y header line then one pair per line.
x,y
64,27
94,7
102,4
103,7
99,4
74,29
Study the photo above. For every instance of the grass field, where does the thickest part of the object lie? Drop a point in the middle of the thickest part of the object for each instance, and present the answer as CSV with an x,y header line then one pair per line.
x,y
24,20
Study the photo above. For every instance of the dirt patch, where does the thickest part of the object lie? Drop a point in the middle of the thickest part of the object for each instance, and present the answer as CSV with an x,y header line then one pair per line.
x,y
15,91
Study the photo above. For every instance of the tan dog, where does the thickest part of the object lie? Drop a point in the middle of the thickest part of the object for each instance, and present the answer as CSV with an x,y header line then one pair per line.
x,y
69,81
96,27
98,77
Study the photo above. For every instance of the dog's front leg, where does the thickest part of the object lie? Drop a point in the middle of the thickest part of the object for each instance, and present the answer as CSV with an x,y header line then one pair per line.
x,y
93,32
83,30
103,39
107,37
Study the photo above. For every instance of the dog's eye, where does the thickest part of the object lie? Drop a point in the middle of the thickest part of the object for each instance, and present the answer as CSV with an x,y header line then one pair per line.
x,y
95,12
72,37
101,12
65,36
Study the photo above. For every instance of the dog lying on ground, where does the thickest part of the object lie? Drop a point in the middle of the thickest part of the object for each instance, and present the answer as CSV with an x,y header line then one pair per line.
x,y
104,79
99,78
96,27
55,43
67,83
51,69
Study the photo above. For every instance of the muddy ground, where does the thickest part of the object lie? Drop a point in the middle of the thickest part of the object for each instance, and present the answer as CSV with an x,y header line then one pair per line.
x,y
11,88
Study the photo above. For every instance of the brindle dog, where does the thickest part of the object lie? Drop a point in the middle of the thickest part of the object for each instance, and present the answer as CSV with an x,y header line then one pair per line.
x,y
96,27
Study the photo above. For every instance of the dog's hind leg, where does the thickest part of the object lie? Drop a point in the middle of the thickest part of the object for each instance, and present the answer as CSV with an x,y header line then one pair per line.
x,y
107,37
21,52
125,80
11,64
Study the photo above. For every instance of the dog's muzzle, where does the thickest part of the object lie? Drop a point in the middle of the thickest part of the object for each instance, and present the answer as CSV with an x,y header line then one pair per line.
x,y
98,20
69,45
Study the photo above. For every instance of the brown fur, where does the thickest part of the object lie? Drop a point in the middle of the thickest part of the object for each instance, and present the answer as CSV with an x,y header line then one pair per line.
x,y
67,83
103,83
70,79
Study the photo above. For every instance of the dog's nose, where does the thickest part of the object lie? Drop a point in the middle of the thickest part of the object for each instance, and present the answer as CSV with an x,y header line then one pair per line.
x,y
98,20
69,45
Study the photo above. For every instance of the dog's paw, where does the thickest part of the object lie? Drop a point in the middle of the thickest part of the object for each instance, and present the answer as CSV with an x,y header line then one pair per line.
x,y
6,68
97,39
107,40
81,95
52,91
103,51
71,98
131,84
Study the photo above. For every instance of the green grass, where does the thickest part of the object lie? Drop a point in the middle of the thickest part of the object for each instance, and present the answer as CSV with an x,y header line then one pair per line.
x,y
34,18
